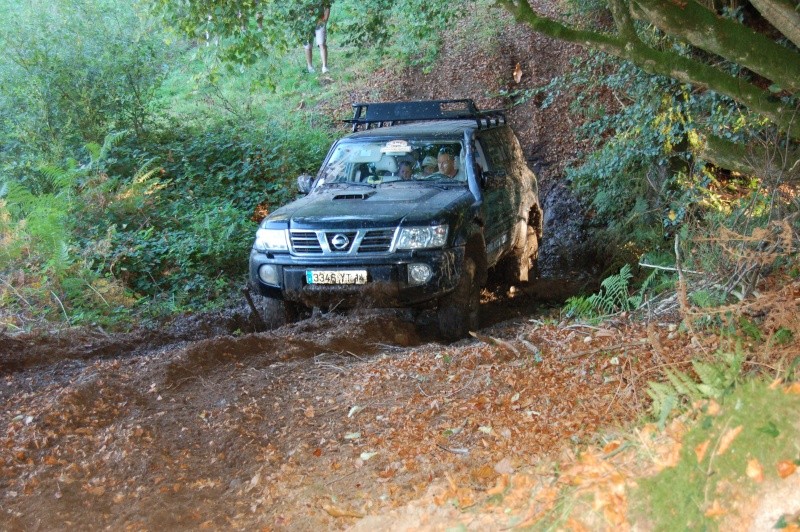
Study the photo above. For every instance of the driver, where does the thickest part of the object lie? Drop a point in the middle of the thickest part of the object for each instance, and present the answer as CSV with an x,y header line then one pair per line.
x,y
447,163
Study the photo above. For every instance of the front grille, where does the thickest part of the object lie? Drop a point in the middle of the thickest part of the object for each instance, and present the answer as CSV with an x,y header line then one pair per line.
x,y
363,241
379,241
344,245
305,242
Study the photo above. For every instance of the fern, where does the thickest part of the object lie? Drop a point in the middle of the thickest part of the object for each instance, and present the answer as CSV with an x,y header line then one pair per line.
x,y
715,380
614,296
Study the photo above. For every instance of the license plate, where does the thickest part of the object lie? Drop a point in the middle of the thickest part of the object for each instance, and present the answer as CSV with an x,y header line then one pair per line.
x,y
336,276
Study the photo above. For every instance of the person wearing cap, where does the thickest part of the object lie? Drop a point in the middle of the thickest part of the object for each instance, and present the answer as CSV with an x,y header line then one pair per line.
x,y
429,166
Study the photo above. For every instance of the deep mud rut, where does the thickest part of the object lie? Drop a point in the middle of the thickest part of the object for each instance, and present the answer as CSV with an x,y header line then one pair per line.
x,y
306,427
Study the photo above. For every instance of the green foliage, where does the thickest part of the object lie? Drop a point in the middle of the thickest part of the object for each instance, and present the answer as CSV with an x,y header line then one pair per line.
x,y
243,32
71,70
715,380
409,30
678,497
614,296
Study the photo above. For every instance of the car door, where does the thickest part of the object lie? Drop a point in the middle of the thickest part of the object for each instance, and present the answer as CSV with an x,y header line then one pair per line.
x,y
498,210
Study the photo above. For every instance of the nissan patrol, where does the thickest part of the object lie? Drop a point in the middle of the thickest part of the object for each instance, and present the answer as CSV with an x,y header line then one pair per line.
x,y
363,234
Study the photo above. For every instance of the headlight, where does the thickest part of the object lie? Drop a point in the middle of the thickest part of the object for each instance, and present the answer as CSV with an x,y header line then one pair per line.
x,y
271,240
422,237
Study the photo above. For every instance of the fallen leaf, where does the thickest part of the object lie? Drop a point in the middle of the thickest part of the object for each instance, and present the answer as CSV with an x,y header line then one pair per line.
x,y
309,412
366,456
354,410
484,472
338,512
611,446
499,486
727,440
793,388
96,490
754,470
713,408
786,468
518,73
504,467
715,510
700,450
775,384
387,473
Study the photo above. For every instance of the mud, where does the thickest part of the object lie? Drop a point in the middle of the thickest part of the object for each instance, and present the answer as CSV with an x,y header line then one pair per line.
x,y
182,427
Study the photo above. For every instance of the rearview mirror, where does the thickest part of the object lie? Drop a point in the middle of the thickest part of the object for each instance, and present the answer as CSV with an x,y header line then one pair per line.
x,y
304,183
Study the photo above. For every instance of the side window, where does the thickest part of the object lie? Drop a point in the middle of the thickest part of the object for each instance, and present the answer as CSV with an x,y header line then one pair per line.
x,y
480,156
494,149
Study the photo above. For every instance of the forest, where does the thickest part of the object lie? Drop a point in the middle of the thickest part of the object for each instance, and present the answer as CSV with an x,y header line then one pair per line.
x,y
142,142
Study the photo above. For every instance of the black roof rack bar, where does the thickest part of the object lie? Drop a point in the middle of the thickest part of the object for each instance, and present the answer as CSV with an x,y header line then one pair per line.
x,y
390,113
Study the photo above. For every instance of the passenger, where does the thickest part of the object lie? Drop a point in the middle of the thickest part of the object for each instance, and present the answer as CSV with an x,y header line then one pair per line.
x,y
447,163
405,170
429,166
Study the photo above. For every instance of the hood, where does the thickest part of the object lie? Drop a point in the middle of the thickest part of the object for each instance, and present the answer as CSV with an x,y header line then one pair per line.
x,y
384,206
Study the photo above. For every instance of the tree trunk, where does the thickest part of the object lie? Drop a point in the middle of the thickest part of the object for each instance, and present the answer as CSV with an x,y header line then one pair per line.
x,y
726,38
783,15
665,63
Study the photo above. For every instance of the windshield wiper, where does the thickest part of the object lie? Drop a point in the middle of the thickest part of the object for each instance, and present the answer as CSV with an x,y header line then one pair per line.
x,y
345,184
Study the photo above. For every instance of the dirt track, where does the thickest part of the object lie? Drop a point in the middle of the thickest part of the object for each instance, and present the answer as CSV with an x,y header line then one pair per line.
x,y
304,427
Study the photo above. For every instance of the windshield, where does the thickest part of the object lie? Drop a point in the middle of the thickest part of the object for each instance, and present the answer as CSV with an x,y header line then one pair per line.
x,y
382,161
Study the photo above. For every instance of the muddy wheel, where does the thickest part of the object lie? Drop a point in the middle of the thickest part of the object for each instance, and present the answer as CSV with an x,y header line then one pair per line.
x,y
278,312
458,311
517,268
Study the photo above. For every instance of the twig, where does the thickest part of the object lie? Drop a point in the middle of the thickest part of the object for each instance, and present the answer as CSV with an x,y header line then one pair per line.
x,y
667,268
249,299
454,451
93,289
66,318
341,478
16,292
601,349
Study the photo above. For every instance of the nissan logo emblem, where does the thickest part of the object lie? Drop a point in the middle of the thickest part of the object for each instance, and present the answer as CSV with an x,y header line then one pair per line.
x,y
340,241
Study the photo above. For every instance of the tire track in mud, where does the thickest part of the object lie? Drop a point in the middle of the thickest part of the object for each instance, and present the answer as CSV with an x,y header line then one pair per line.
x,y
357,334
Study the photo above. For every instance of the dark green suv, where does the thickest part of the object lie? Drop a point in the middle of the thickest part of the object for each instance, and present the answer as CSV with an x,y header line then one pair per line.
x,y
412,209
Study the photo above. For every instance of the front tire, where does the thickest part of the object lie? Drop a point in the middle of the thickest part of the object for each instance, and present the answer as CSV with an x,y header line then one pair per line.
x,y
279,312
458,311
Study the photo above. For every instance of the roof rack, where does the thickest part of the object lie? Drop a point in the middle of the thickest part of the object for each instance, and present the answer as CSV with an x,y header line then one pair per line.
x,y
390,113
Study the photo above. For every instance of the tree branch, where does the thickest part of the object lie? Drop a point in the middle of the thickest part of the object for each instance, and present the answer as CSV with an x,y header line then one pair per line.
x,y
623,19
726,38
783,15
669,64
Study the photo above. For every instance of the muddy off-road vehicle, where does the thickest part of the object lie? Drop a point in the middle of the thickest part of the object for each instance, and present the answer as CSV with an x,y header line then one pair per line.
x,y
366,233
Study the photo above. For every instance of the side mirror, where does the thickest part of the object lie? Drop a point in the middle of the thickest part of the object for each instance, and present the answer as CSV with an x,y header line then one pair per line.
x,y
304,183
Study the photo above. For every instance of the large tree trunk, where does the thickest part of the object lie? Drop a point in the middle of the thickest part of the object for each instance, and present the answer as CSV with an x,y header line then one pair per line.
x,y
724,37
783,15
770,161
628,46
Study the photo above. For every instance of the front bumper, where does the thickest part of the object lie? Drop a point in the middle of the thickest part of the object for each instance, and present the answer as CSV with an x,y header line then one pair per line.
x,y
387,283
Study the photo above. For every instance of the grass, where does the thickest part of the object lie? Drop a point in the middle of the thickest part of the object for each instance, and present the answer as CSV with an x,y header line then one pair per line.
x,y
685,496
